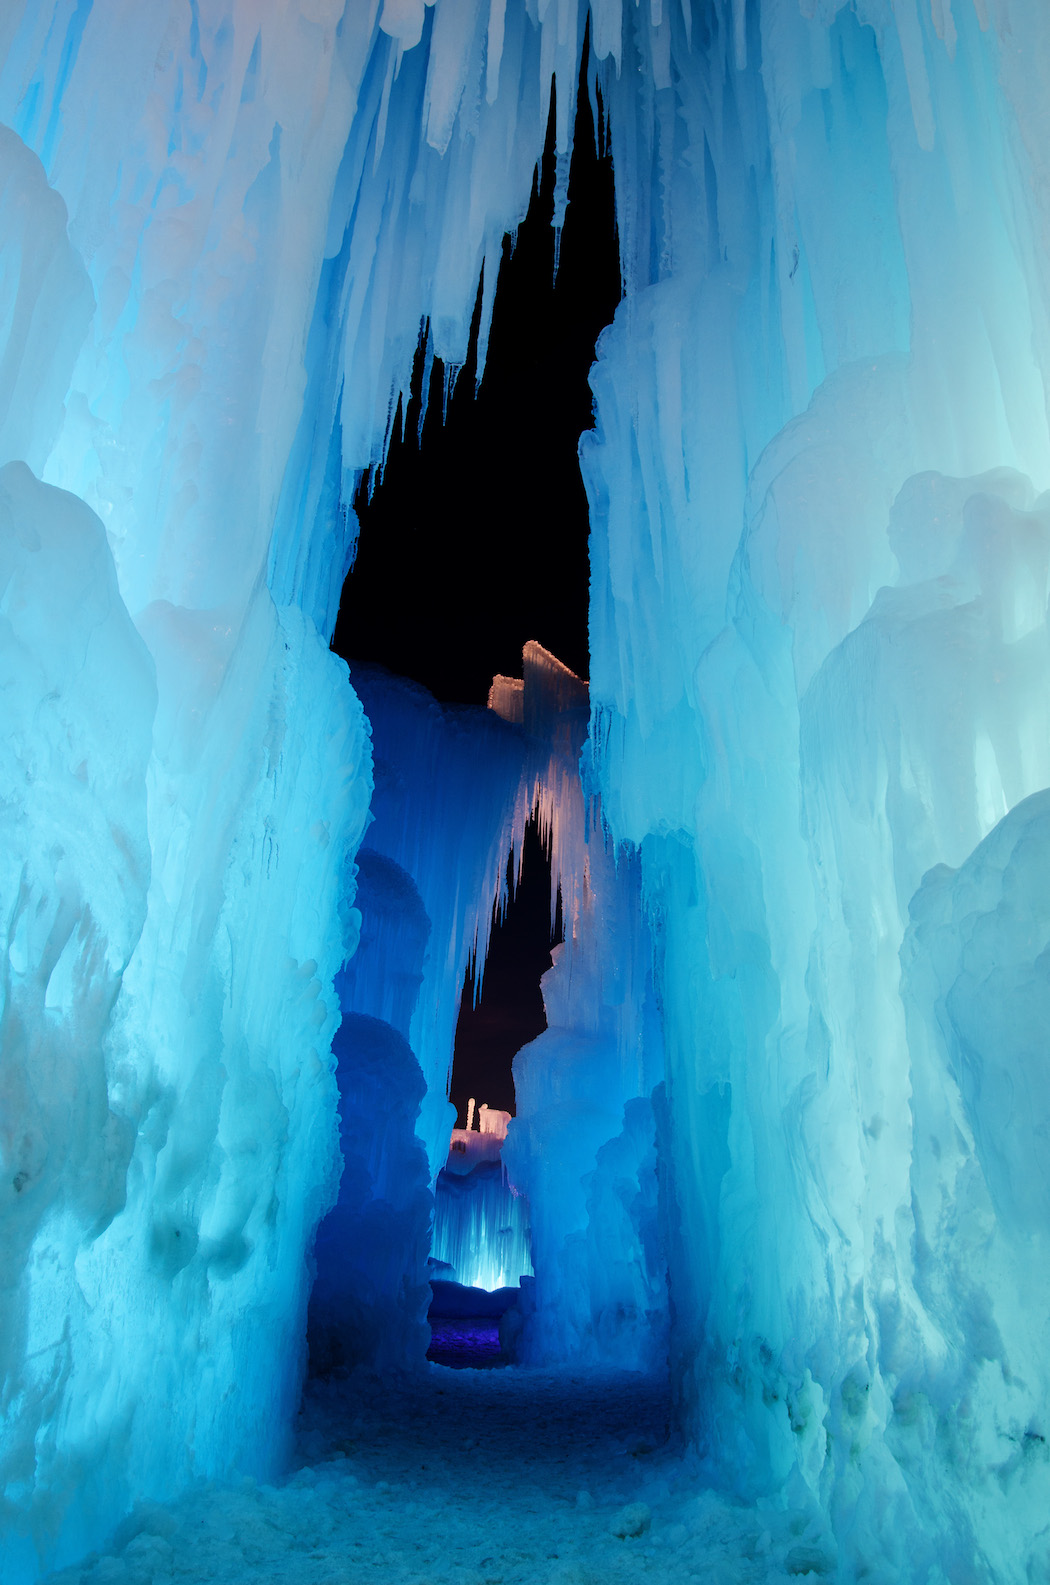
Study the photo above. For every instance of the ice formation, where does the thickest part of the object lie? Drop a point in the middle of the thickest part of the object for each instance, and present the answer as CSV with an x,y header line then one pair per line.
x,y
481,1226
582,1145
817,729
818,632
455,788
430,869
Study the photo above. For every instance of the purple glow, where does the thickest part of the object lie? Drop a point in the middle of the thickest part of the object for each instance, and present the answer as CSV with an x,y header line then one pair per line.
x,y
465,1344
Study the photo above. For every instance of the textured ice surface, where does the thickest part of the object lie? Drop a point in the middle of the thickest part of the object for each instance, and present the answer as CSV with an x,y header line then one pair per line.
x,y
818,631
481,1228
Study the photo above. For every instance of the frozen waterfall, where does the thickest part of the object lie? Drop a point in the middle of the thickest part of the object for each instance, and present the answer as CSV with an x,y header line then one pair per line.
x,y
796,1034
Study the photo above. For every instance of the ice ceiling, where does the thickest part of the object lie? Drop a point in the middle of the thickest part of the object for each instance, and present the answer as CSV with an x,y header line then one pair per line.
x,y
818,713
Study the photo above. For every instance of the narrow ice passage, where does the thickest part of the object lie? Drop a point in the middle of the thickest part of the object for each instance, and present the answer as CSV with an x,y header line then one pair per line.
x,y
786,1129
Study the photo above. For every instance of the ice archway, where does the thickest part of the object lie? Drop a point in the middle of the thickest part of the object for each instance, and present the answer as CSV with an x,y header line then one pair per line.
x,y
818,704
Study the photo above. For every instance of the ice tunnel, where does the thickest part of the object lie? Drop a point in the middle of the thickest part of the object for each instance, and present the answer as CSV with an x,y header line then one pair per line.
x,y
785,1133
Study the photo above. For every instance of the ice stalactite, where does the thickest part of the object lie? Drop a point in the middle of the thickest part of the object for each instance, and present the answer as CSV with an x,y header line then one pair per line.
x,y
481,1225
221,229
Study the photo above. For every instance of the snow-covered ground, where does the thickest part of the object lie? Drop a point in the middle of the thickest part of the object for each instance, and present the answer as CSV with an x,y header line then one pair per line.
x,y
468,1477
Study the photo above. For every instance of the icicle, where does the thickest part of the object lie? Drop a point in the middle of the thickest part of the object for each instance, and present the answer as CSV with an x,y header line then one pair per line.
x,y
909,32
425,382
740,34
448,386
393,61
561,202
494,48
403,20
607,22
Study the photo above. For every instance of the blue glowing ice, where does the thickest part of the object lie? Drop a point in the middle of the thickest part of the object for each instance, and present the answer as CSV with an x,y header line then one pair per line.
x,y
812,907
481,1226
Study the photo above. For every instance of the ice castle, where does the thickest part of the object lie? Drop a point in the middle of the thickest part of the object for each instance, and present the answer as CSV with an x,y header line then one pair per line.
x,y
788,1124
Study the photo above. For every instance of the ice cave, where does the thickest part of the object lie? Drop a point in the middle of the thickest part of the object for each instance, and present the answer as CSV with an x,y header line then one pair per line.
x,y
774,1197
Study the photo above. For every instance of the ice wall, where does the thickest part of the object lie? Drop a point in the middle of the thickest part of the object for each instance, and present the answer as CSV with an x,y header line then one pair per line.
x,y
481,1226
168,1098
454,790
185,768
582,1146
369,1301
429,874
222,226
818,629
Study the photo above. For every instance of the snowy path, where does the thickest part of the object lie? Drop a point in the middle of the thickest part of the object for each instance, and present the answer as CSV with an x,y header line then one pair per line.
x,y
500,1477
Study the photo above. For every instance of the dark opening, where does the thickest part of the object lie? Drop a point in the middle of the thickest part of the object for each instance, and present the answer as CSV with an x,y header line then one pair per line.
x,y
474,539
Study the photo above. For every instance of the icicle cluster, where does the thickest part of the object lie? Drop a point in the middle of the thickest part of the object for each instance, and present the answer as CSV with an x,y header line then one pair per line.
x,y
481,1229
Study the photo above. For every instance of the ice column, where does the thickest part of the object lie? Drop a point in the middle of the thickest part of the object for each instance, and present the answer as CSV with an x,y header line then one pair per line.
x,y
582,1146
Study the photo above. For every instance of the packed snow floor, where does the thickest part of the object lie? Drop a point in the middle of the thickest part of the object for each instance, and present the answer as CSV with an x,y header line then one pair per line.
x,y
468,1477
